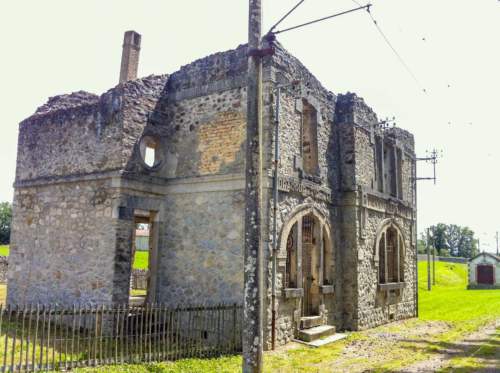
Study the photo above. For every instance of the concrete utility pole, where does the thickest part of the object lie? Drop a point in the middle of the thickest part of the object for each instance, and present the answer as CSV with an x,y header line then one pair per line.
x,y
497,242
433,265
253,273
428,262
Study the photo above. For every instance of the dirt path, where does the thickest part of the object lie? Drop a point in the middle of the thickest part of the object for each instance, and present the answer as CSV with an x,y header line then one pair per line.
x,y
408,346
469,347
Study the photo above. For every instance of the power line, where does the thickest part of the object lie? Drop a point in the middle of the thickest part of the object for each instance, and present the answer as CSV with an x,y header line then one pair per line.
x,y
367,6
386,39
286,15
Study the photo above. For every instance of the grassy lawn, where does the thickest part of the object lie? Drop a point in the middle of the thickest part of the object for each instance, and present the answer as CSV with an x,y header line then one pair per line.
x,y
4,250
141,259
447,314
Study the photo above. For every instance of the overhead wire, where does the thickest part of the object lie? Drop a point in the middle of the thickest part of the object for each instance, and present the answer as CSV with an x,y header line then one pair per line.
x,y
388,42
286,15
322,19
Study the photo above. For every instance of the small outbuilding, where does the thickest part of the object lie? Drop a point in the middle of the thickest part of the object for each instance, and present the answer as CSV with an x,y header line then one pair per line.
x,y
484,271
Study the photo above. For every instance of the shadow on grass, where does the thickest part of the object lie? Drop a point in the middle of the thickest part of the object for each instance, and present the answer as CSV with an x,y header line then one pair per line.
x,y
455,349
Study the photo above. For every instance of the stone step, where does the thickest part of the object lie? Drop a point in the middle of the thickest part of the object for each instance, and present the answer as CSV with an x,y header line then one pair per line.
x,y
315,333
308,322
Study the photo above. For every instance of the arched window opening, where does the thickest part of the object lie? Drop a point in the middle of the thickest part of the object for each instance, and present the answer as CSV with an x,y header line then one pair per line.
x,y
391,256
309,139
291,259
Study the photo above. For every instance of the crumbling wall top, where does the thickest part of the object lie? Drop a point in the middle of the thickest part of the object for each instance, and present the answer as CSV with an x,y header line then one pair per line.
x,y
353,109
67,101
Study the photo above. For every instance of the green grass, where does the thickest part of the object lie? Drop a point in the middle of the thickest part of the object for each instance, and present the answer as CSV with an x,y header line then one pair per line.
x,y
486,356
4,250
141,259
450,301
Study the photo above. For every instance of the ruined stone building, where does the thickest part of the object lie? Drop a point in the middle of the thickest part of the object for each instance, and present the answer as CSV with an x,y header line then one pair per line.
x,y
168,151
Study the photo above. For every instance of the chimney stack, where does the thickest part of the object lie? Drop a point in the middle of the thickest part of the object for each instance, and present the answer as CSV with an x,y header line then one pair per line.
x,y
130,56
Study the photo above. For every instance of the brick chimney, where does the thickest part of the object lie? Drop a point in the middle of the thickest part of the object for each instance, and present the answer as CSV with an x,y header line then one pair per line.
x,y
130,56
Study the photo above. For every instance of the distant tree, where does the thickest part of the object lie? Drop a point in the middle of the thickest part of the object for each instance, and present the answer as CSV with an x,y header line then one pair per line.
x,y
5,222
421,247
468,244
437,237
452,239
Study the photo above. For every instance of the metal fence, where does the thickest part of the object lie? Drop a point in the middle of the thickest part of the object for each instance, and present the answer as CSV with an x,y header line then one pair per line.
x,y
4,266
46,338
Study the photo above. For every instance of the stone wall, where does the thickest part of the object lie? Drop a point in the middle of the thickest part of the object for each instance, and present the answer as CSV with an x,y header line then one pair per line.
x,y
202,257
81,133
297,196
365,209
62,244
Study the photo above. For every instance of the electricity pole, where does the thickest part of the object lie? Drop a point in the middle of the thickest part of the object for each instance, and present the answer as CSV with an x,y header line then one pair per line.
x,y
497,242
253,273
428,262
433,265
433,159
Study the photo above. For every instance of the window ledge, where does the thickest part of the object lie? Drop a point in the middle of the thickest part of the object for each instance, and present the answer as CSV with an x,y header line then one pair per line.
x,y
293,292
392,286
326,289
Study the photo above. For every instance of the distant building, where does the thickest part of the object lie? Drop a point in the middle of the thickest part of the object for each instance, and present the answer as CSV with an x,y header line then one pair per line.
x,y
484,271
142,239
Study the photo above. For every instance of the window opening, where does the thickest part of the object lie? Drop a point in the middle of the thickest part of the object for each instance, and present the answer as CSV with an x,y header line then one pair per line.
x,y
391,256
309,139
149,159
291,259
150,151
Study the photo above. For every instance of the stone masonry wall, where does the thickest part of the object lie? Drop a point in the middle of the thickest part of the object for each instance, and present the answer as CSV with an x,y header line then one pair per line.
x,y
365,209
81,133
62,244
286,69
202,260
372,310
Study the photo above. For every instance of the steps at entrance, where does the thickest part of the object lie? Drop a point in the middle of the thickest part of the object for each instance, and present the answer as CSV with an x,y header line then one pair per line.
x,y
308,322
316,332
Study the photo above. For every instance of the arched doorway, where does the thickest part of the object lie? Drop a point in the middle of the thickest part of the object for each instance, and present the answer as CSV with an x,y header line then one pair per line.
x,y
309,258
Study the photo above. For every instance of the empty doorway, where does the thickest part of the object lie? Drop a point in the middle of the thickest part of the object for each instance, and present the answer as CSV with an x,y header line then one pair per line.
x,y
144,258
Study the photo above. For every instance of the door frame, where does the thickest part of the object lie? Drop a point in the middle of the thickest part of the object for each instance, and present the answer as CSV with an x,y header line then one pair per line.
x,y
325,244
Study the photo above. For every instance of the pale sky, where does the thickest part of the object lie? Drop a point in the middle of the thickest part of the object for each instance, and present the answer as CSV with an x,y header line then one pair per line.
x,y
52,47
